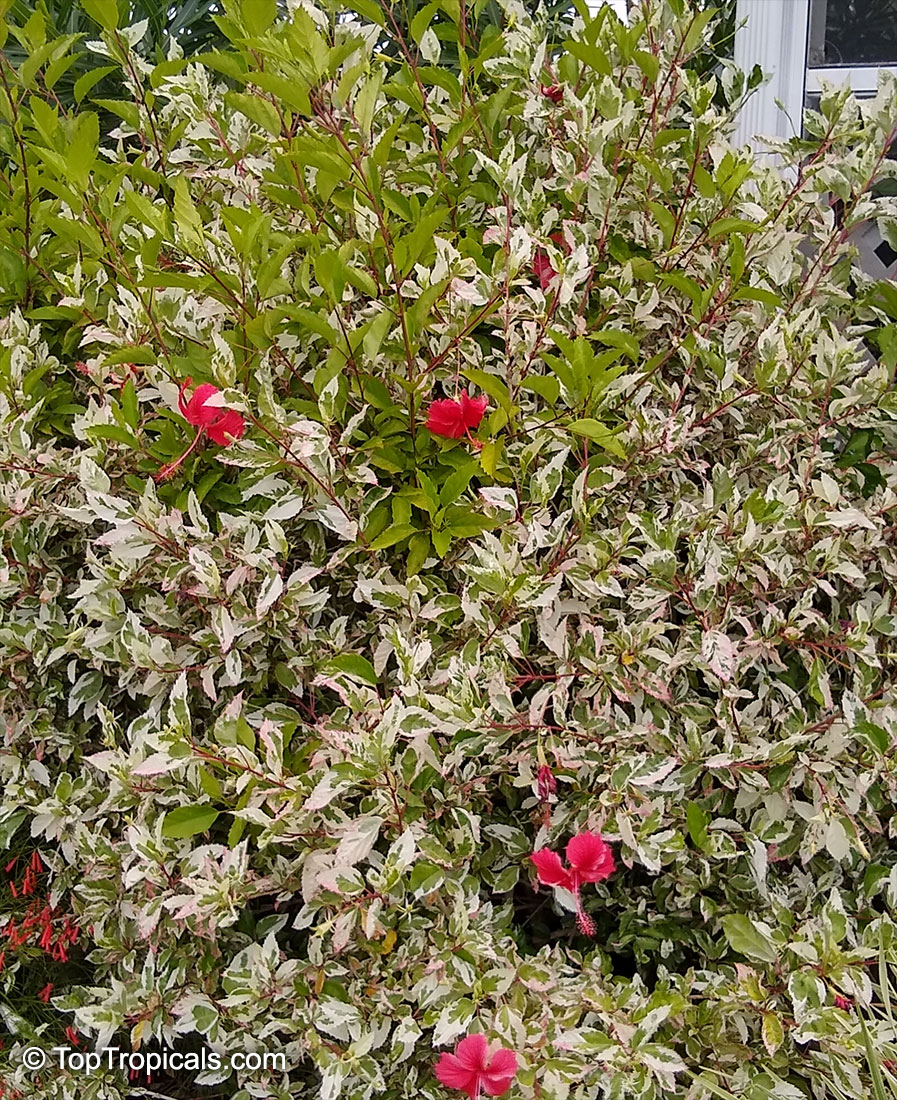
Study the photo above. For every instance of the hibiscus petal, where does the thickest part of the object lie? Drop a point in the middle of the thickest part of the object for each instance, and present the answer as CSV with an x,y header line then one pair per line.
x,y
501,1072
543,269
227,427
590,857
472,410
197,411
452,1073
446,417
550,869
472,1051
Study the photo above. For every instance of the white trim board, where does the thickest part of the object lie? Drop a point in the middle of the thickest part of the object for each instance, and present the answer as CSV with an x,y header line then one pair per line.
x,y
773,35
862,78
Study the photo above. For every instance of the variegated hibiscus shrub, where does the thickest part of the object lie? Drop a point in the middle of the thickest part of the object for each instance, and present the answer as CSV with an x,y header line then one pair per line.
x,y
294,685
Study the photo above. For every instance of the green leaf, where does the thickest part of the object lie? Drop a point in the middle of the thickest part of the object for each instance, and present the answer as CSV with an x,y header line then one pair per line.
x,y
418,552
544,386
857,449
90,79
330,273
186,215
187,821
104,12
698,821
489,456
747,939
465,522
616,338
370,10
592,56
230,64
665,220
366,101
124,108
113,432
258,110
441,542
258,15
129,404
422,20
490,385
376,334
600,434
294,93
353,664
409,249
724,226
773,1033
141,354
392,535
456,483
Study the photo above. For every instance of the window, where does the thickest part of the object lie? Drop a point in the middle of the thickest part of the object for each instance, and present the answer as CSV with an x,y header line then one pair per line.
x,y
800,43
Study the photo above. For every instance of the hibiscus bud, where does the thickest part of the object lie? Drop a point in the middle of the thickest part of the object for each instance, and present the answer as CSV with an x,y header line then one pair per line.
x,y
547,784
554,92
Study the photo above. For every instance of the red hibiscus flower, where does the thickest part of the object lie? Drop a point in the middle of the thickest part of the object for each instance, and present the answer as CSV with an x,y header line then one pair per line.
x,y
220,423
590,859
542,269
222,426
554,92
454,419
542,266
471,1070
227,428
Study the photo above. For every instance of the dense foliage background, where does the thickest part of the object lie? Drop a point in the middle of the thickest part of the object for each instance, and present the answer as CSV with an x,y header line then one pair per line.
x,y
273,724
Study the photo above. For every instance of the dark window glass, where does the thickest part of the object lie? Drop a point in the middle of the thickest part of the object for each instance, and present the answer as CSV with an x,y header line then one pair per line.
x,y
853,32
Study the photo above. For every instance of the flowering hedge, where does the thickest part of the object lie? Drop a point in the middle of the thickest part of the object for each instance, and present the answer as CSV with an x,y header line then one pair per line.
x,y
448,585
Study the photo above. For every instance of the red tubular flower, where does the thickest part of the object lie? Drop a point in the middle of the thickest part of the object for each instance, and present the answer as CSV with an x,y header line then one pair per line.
x,y
554,92
72,1036
45,993
590,860
472,1071
455,418
844,1003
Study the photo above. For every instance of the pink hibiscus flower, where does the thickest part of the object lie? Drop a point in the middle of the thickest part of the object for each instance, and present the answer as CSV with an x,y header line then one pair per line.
x,y
472,1071
590,860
